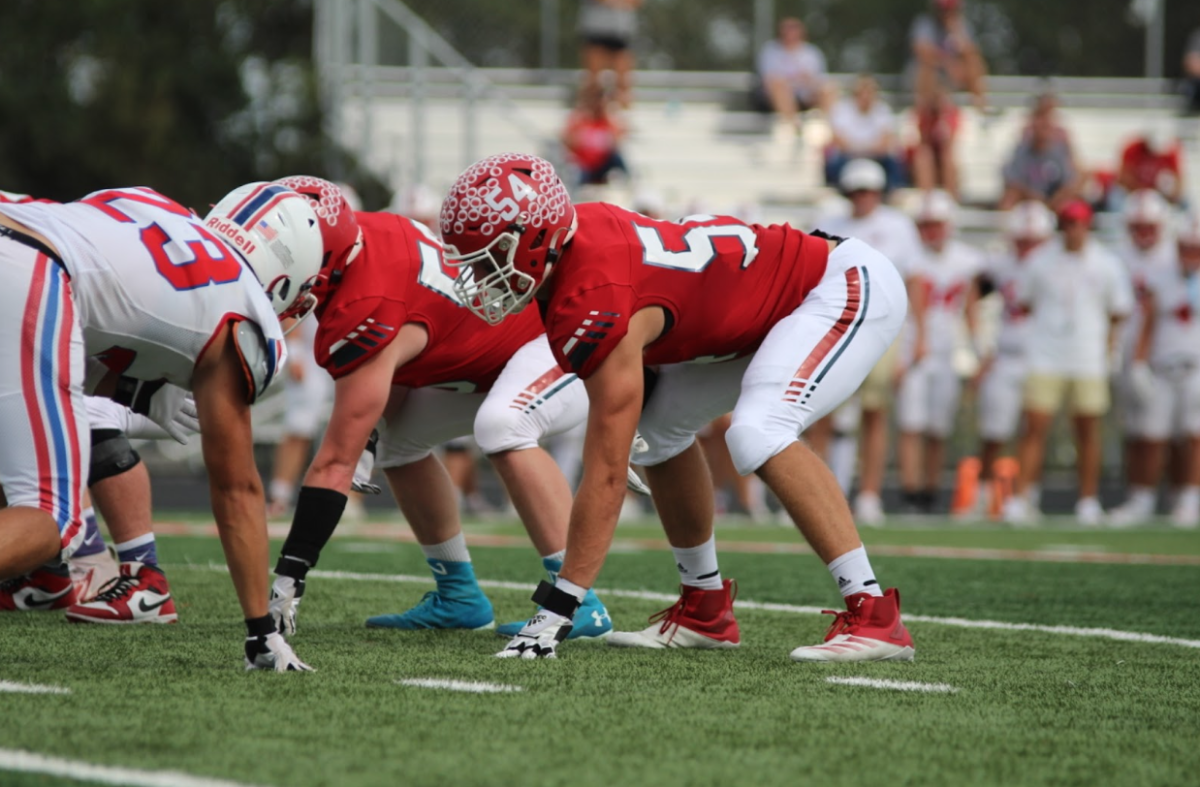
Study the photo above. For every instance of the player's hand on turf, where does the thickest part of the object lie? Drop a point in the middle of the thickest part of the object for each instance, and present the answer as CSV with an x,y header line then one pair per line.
x,y
283,604
272,652
366,465
539,637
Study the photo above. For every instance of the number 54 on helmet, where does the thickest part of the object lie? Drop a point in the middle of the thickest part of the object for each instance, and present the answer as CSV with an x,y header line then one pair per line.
x,y
504,224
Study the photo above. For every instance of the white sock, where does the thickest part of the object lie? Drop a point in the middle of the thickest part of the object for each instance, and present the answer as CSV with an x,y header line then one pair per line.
x,y
281,491
560,556
698,565
852,573
452,551
567,586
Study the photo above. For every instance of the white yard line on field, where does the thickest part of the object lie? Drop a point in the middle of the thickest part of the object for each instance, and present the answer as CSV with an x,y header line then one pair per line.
x,y
894,685
30,688
671,598
28,762
459,685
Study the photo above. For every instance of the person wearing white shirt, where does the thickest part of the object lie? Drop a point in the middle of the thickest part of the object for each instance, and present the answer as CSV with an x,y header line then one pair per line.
x,y
1002,372
927,404
1146,251
895,235
863,126
1165,373
1077,293
792,71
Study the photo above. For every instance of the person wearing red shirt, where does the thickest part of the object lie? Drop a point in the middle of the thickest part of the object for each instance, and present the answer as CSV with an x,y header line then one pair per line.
x,y
671,325
1152,161
593,137
402,348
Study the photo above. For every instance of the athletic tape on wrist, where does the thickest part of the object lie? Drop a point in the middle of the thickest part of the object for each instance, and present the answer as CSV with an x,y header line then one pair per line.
x,y
560,602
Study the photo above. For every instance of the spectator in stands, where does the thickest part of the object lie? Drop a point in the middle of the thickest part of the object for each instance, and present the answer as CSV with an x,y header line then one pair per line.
x,y
592,138
863,126
1042,167
607,28
1152,161
793,75
1077,294
1191,73
945,55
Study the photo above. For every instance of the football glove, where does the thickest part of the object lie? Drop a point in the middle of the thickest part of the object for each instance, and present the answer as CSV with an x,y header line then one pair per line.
x,y
366,465
539,637
169,406
633,481
286,593
272,652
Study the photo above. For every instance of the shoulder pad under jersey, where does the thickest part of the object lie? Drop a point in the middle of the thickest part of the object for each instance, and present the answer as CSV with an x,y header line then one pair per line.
x,y
261,357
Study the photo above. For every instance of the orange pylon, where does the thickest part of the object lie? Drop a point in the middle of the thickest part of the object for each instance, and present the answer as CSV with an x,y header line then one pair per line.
x,y
966,486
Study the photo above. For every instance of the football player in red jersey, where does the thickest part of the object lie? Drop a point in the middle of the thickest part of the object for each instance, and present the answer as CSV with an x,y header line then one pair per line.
x,y
401,347
777,325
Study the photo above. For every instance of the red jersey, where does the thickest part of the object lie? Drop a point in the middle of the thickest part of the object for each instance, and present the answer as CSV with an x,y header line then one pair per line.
x,y
1147,166
593,139
400,277
723,284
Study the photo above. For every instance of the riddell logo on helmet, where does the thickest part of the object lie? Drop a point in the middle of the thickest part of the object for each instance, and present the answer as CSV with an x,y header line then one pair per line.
x,y
232,232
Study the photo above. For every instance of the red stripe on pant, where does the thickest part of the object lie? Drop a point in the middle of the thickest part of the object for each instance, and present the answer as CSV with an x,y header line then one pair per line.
x,y
63,383
849,314
30,322
537,386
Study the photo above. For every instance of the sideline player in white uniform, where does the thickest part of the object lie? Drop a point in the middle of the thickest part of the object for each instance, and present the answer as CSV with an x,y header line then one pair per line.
x,y
1146,251
1078,293
129,295
1002,374
927,403
1166,369
895,236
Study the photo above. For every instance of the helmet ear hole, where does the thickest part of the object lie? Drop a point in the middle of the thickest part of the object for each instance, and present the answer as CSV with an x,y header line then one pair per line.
x,y
538,240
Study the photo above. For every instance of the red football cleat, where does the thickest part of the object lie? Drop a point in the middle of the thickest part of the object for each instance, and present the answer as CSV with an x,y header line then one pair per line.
x,y
139,595
869,630
44,588
699,619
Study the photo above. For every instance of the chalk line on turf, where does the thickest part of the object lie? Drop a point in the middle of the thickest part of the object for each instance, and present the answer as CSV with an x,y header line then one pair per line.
x,y
30,688
28,762
894,685
670,598
460,685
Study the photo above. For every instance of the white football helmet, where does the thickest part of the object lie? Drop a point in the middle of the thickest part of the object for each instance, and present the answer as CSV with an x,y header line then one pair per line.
x,y
936,207
1029,220
862,174
1146,206
276,233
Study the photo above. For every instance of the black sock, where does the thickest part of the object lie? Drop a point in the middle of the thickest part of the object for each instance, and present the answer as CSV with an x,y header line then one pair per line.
x,y
318,512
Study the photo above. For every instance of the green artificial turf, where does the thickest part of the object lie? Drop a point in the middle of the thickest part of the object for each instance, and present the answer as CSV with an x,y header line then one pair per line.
x,y
1031,707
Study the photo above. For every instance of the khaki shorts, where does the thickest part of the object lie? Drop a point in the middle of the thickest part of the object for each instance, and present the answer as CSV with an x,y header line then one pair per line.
x,y
1046,393
877,390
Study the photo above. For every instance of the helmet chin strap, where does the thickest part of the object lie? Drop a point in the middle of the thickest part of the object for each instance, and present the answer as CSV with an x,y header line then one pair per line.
x,y
558,240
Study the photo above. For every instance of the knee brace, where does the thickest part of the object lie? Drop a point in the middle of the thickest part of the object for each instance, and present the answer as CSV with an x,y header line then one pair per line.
x,y
111,455
752,444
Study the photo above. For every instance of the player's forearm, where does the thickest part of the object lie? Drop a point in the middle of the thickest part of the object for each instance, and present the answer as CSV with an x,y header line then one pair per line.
x,y
240,511
593,521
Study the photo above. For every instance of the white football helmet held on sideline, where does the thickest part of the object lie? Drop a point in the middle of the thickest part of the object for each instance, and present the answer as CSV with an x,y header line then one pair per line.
x,y
277,234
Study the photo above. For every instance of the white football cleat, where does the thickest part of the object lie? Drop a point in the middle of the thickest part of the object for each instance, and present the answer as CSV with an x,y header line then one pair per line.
x,y
869,630
1088,512
701,619
868,509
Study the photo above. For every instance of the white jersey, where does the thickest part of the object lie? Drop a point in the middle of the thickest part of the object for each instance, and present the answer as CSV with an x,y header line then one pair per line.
x,y
947,277
1005,272
1176,338
151,285
1073,298
1141,266
886,230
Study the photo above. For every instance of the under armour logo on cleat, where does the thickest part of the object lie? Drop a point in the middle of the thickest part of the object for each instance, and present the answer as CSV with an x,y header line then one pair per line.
x,y
600,617
439,568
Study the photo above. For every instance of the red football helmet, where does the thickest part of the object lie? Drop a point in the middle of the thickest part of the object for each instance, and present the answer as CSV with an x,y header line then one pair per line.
x,y
340,232
504,224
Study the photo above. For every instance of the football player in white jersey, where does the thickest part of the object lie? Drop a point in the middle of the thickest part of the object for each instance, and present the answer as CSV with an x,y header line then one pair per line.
x,y
127,294
1166,369
927,403
1146,251
893,234
1002,374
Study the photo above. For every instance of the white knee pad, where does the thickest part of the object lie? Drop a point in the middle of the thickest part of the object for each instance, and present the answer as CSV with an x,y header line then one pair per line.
x,y
752,444
499,428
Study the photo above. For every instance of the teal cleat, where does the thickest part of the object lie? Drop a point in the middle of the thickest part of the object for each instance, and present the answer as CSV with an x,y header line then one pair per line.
x,y
458,603
591,620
